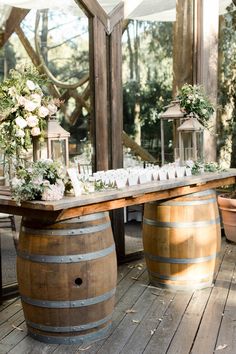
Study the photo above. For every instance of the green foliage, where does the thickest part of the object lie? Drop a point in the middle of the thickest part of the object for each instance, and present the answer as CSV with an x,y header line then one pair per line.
x,y
194,100
199,167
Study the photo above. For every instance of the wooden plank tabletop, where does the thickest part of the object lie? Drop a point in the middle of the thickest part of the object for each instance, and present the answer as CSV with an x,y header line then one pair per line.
x,y
70,206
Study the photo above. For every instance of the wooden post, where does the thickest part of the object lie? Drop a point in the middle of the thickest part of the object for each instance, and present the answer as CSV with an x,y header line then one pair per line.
x,y
196,54
207,62
183,44
106,96
183,51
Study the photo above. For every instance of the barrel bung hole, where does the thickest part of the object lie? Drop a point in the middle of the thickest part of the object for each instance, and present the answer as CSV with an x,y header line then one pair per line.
x,y
78,281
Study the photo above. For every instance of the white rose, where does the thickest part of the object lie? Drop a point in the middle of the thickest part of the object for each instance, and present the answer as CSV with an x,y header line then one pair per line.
x,y
36,98
35,131
52,108
43,112
20,133
30,106
21,100
31,85
32,121
21,122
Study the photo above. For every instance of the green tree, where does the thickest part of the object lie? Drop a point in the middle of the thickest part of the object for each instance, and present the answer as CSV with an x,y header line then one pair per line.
x,y
227,84
147,63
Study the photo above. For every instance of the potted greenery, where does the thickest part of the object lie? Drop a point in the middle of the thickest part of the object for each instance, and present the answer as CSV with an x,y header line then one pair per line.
x,y
41,180
227,206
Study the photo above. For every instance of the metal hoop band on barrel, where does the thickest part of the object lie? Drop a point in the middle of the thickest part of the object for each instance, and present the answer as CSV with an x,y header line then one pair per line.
x,y
181,224
69,304
74,258
69,328
73,339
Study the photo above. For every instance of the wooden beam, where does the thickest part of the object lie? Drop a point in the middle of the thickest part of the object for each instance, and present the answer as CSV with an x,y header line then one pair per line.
x,y
136,148
93,9
14,20
116,16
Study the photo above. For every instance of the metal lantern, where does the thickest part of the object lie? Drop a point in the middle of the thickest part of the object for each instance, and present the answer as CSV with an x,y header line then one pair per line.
x,y
173,113
55,146
191,134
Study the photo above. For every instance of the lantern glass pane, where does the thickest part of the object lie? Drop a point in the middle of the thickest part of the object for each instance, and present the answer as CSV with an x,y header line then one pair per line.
x,y
58,151
43,151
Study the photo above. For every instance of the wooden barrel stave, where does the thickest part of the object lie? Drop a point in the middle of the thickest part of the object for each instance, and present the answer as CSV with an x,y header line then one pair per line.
x,y
182,241
67,293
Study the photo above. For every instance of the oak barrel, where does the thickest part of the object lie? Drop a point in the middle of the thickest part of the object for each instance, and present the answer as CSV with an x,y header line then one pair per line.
x,y
182,241
67,275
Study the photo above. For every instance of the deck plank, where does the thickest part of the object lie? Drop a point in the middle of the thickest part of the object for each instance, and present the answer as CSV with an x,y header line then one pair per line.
x,y
160,340
206,339
227,333
186,332
165,322
147,327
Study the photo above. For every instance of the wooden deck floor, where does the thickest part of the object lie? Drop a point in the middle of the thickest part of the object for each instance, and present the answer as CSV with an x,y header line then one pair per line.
x,y
148,319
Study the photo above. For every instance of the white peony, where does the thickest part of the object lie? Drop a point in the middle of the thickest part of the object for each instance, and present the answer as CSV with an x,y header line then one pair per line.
x,y
43,112
35,131
21,122
31,85
54,191
30,106
32,121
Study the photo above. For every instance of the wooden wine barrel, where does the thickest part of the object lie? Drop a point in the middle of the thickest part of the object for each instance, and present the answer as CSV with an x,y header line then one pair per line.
x,y
182,241
67,275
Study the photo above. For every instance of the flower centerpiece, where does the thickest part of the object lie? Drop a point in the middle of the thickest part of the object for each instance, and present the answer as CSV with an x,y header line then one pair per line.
x,y
41,180
24,110
192,99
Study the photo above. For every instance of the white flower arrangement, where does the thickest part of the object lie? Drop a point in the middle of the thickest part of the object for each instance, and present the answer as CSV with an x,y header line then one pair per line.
x,y
24,109
41,180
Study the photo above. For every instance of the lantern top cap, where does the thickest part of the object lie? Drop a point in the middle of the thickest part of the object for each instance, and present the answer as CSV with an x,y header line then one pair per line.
x,y
191,124
173,111
54,130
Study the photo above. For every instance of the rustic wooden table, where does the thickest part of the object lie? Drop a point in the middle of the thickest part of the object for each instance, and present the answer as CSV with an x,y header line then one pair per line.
x,y
70,207
62,265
